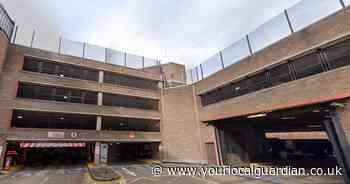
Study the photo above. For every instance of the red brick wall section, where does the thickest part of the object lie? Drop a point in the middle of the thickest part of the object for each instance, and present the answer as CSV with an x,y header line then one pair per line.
x,y
181,138
328,29
8,85
3,49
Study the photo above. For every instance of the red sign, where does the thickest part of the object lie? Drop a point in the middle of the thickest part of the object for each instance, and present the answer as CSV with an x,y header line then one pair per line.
x,y
59,135
131,135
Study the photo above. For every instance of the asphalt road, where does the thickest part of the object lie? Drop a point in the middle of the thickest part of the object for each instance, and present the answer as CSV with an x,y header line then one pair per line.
x,y
142,174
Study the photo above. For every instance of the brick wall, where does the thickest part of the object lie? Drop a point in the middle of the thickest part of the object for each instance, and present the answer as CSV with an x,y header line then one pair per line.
x,y
326,30
180,129
3,49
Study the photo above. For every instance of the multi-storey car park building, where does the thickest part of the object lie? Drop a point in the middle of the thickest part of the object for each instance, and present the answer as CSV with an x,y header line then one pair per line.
x,y
294,92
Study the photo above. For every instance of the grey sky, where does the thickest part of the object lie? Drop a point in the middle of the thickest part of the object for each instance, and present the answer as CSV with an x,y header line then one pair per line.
x,y
183,31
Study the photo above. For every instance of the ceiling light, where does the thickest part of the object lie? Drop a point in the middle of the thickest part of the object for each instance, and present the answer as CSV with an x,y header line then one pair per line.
x,y
19,117
287,118
61,75
237,88
61,118
257,115
314,126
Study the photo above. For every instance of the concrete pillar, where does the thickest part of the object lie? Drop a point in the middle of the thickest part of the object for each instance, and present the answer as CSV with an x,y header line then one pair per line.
x,y
99,123
344,117
100,98
104,153
3,147
340,144
100,77
97,153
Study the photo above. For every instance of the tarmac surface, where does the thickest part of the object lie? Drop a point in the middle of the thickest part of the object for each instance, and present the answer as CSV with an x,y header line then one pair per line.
x,y
142,174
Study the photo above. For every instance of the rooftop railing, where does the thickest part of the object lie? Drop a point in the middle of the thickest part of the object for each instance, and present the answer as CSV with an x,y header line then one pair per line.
x,y
293,19
286,23
6,23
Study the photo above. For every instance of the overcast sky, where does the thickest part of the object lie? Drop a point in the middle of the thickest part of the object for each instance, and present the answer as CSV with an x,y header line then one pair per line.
x,y
182,31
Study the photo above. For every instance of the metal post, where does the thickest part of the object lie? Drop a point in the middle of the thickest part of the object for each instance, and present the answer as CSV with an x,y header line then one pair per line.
x,y
218,145
84,47
59,45
202,71
342,3
191,76
33,38
222,60
340,145
288,21
106,55
197,74
14,37
249,45
125,59
143,62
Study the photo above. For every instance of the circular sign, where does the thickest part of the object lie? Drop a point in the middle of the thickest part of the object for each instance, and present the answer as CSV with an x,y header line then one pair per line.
x,y
73,134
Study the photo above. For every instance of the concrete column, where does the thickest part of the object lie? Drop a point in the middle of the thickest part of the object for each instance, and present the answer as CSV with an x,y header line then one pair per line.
x,y
97,153
3,147
99,123
100,77
344,116
100,98
104,153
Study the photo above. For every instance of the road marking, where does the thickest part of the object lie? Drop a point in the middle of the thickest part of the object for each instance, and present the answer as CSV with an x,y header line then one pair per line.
x,y
45,180
129,172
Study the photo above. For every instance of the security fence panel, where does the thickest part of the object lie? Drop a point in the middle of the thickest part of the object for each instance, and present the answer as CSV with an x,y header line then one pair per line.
x,y
72,48
270,32
46,40
149,62
307,12
235,52
95,52
194,75
24,36
133,61
212,65
115,57
6,24
189,78
347,2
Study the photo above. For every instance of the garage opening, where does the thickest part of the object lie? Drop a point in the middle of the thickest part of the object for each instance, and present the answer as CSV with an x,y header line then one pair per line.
x,y
49,154
132,152
295,137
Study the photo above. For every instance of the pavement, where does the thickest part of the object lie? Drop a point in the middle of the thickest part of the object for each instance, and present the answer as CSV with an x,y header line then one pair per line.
x,y
142,174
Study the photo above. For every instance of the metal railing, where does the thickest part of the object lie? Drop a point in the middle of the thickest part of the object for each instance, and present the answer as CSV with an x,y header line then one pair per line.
x,y
6,23
83,50
289,21
293,19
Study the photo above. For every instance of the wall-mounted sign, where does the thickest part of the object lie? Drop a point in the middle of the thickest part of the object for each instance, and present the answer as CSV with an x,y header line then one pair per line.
x,y
73,134
131,135
57,135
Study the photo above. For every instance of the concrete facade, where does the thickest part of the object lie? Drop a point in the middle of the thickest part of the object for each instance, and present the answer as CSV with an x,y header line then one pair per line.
x,y
184,132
